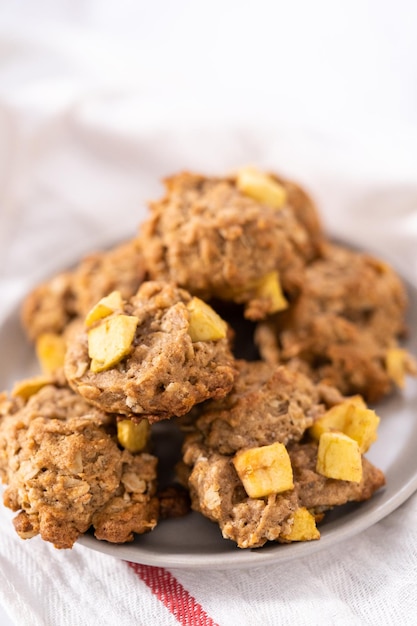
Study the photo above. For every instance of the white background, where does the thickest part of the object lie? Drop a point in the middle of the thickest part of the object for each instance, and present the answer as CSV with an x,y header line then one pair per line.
x,y
339,65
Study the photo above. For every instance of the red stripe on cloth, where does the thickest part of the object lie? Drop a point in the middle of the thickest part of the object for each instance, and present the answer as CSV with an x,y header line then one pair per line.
x,y
173,595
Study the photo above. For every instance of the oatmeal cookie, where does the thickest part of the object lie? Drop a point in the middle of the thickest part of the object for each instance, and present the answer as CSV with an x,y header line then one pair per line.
x,y
149,358
343,326
213,237
51,306
65,472
218,493
252,460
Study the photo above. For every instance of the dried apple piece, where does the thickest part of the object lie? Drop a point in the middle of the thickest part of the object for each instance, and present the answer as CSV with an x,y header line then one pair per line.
x,y
133,435
111,341
261,187
304,527
264,470
29,386
335,418
205,323
269,287
399,363
339,457
353,418
50,350
362,426
104,307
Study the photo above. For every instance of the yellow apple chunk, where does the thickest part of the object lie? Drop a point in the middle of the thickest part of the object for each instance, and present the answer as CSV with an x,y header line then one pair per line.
x,y
269,287
264,470
339,457
335,418
261,187
352,418
397,365
304,527
362,426
29,386
50,350
104,307
111,341
205,323
133,436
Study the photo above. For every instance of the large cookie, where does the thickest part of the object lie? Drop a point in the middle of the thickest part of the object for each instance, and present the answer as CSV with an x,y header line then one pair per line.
x,y
231,238
156,366
65,471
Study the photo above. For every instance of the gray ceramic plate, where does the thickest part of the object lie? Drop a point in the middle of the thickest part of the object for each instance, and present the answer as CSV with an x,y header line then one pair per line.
x,y
195,542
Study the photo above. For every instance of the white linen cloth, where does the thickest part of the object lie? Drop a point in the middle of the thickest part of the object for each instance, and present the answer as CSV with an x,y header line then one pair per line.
x,y
87,131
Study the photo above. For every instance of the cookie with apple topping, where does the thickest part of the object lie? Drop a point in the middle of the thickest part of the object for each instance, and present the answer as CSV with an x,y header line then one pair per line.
x,y
286,508
266,462
243,238
65,471
152,356
345,325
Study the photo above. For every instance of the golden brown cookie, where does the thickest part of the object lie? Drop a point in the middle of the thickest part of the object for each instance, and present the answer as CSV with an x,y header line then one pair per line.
x,y
226,238
345,325
155,355
65,472
257,464
218,493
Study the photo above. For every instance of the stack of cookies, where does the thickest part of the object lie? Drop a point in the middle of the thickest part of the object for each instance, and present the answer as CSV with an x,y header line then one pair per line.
x,y
232,315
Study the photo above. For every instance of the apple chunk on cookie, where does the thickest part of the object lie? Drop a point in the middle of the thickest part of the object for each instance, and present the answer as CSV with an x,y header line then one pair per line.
x,y
264,470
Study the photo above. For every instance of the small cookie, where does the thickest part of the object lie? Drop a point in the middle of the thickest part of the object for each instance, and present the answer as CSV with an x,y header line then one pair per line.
x,y
155,356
